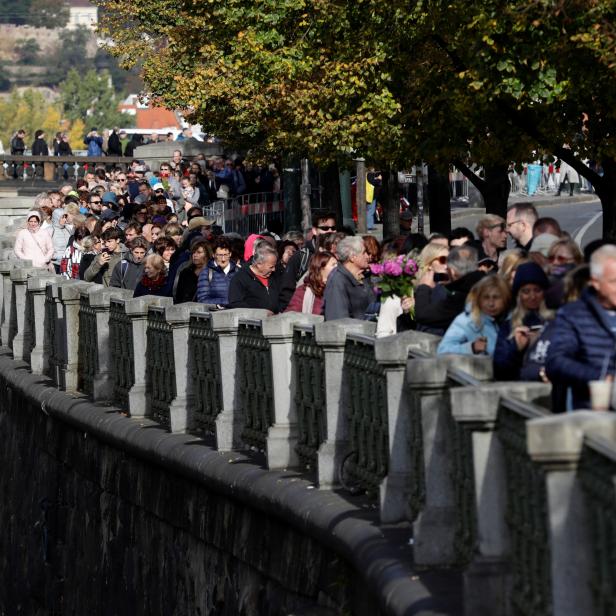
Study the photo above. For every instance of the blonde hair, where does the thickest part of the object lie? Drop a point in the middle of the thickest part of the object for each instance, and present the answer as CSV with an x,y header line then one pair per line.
x,y
487,221
156,261
578,257
519,313
510,260
486,284
430,253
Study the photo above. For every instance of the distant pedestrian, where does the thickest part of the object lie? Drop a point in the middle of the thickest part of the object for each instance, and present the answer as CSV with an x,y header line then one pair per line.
x,y
94,142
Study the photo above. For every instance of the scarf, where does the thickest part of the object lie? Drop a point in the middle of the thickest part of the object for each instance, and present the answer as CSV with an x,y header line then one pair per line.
x,y
154,283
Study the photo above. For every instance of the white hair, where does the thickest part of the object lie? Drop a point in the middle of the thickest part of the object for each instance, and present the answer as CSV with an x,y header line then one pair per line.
x,y
599,257
348,247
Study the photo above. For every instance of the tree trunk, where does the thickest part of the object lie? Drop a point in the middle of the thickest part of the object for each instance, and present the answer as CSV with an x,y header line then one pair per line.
x,y
390,201
439,202
606,190
496,190
330,195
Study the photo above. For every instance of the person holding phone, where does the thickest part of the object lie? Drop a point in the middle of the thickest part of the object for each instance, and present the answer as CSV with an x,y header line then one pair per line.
x,y
438,303
519,334
109,257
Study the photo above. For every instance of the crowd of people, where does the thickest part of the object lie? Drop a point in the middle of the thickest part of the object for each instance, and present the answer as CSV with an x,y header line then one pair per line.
x,y
543,310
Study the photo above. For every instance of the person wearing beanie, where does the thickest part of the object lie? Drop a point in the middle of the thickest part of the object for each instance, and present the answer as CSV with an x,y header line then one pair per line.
x,y
519,334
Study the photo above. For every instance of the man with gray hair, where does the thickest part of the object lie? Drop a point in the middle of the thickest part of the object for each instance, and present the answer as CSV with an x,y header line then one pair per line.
x,y
437,305
257,285
347,293
583,337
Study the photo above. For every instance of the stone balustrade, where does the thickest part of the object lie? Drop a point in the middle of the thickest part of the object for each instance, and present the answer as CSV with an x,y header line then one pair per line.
x,y
490,481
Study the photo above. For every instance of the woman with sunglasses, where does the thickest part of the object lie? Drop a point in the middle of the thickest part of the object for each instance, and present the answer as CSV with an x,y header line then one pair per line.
x,y
432,264
492,234
564,255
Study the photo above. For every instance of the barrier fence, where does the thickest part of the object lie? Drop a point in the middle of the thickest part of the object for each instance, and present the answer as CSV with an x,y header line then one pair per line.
x,y
487,478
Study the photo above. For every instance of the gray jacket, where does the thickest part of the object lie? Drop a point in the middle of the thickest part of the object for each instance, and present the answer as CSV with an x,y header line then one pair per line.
x,y
60,235
126,274
345,297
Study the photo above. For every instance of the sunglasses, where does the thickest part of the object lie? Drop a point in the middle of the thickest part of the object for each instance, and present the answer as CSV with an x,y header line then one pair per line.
x,y
442,260
501,225
95,202
325,228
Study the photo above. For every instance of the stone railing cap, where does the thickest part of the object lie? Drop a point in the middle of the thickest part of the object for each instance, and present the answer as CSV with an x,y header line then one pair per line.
x,y
334,333
180,313
395,349
21,274
559,438
281,325
481,404
101,298
73,289
229,320
140,305
39,283
434,370
7,266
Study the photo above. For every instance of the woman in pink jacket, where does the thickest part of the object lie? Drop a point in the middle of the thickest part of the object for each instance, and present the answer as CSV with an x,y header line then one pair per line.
x,y
33,243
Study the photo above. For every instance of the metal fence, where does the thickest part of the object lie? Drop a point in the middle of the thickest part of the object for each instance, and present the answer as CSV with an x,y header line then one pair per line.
x,y
204,362
160,366
597,472
526,512
255,382
248,214
308,359
87,364
122,353
368,419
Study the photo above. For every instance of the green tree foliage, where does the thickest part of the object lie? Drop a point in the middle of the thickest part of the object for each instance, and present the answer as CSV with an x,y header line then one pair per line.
x,y
28,51
91,97
14,12
48,13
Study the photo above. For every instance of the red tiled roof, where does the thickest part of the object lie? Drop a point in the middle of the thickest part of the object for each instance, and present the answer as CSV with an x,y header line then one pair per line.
x,y
156,117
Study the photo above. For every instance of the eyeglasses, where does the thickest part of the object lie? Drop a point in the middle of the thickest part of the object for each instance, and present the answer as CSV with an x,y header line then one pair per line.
x,y
326,228
222,255
561,259
442,260
501,225
159,190
121,179
513,222
95,202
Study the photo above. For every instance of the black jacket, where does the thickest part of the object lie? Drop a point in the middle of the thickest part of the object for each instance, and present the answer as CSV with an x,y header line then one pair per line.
x,y
114,147
246,291
40,148
18,147
435,309
296,267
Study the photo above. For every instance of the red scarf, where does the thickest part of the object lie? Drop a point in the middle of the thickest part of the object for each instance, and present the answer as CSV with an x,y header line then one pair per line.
x,y
154,283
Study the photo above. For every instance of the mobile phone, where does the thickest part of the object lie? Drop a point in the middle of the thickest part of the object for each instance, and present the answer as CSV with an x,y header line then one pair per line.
x,y
105,251
441,277
535,328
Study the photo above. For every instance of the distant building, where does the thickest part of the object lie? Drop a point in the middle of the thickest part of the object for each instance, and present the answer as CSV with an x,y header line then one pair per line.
x,y
148,117
82,13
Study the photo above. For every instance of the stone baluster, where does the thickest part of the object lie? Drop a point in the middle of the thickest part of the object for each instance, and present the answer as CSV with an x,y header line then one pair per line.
x,y
39,343
67,333
431,453
475,409
98,300
6,267
392,353
20,310
136,310
556,444
230,420
331,337
282,434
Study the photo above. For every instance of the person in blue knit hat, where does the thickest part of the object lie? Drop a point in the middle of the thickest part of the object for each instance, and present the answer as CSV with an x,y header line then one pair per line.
x,y
521,330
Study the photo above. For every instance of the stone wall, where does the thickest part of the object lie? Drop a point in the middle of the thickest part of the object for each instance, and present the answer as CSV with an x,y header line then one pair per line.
x,y
107,515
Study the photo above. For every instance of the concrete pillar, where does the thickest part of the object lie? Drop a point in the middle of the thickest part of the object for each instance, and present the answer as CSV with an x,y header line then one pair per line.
x,y
331,337
94,350
129,353
230,419
282,434
69,297
431,497
7,296
556,444
39,345
392,353
19,337
475,410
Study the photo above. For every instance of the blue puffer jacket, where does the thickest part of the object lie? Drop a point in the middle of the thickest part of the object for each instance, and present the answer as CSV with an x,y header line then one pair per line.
x,y
461,334
213,285
582,341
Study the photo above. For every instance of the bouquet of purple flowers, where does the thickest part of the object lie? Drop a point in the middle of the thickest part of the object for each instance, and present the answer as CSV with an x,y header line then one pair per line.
x,y
397,277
